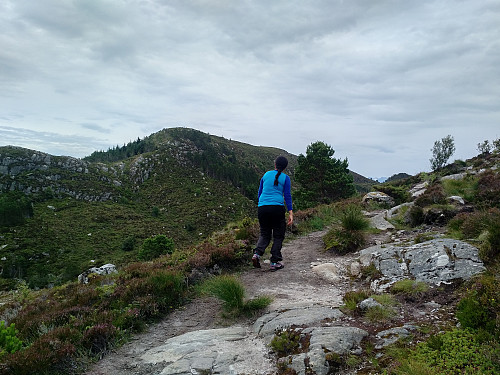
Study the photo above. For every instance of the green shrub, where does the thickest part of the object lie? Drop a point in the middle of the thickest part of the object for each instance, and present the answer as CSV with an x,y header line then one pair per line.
x,y
352,219
285,342
371,272
456,352
490,248
248,230
471,225
9,342
352,298
97,338
415,216
46,354
15,207
480,306
472,314
488,191
344,241
155,246
434,194
128,244
399,193
232,293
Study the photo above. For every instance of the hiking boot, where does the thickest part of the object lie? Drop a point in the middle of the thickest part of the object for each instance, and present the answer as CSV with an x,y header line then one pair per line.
x,y
276,266
256,261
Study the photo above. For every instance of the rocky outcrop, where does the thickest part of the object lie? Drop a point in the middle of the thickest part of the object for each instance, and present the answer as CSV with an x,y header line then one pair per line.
x,y
436,261
378,197
106,269
35,172
232,350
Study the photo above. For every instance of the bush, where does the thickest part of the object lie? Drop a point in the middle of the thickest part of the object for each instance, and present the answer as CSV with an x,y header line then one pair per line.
x,y
488,191
343,241
51,353
9,342
128,244
399,193
98,338
456,352
15,207
352,219
490,249
352,298
433,195
480,307
415,216
232,292
155,246
286,342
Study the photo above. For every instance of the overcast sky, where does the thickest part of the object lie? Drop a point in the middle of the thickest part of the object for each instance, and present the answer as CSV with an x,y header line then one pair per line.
x,y
377,80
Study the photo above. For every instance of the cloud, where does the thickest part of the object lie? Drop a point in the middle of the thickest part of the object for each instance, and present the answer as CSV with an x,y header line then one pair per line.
x,y
379,81
52,143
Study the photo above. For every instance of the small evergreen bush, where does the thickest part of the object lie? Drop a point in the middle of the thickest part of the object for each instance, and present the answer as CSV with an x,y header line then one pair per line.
x,y
285,342
455,352
9,342
155,246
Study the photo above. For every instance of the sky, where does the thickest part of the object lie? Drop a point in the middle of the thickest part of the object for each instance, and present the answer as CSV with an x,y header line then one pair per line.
x,y
378,81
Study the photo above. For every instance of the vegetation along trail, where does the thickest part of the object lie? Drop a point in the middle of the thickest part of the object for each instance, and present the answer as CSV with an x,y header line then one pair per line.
x,y
297,285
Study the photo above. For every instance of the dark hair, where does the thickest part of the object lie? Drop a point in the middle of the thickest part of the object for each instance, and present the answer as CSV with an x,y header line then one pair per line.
x,y
281,162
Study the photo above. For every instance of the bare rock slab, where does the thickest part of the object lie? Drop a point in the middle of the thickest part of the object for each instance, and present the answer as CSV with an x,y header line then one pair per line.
x,y
436,261
267,325
232,350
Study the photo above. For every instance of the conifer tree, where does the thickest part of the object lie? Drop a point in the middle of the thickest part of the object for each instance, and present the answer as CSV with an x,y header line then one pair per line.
x,y
322,178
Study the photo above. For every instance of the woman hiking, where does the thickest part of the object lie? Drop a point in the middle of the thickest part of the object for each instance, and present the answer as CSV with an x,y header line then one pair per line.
x,y
274,192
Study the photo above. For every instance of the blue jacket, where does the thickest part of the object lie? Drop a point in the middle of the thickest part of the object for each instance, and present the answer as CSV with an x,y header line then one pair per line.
x,y
269,194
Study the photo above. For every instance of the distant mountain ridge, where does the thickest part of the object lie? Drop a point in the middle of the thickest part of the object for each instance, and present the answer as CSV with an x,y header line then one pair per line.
x,y
115,173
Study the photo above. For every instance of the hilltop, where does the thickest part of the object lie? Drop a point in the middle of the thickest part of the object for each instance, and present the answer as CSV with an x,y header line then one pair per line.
x,y
77,213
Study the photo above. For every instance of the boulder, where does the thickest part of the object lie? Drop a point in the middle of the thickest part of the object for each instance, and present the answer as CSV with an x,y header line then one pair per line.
x,y
378,197
419,189
230,351
106,269
379,221
434,262
266,325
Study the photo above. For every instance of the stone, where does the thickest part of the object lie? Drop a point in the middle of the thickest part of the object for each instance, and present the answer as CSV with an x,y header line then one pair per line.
x,y
379,222
368,304
419,189
268,324
106,269
456,199
390,336
379,197
231,350
434,262
328,271
395,211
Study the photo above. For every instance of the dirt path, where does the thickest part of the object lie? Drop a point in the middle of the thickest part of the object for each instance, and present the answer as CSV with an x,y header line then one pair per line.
x,y
295,285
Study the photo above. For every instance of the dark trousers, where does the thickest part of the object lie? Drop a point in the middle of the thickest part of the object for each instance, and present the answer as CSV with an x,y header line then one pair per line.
x,y
272,224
